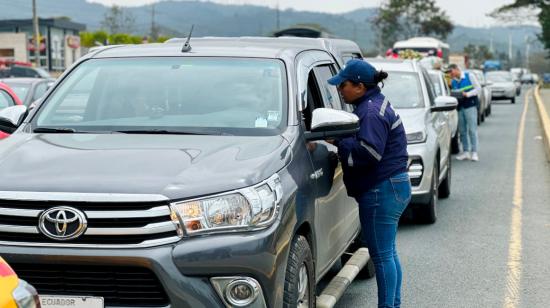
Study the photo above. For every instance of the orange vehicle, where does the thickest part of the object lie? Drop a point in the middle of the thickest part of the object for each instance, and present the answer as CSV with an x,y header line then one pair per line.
x,y
14,292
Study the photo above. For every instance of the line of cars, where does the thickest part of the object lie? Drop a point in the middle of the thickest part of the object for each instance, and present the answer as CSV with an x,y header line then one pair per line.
x,y
242,202
202,179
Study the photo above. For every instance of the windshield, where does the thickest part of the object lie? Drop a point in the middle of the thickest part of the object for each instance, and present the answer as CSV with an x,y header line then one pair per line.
x,y
499,77
437,83
20,89
238,96
403,90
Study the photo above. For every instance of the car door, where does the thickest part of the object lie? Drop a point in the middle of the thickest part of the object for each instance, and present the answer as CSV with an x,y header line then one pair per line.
x,y
439,121
336,214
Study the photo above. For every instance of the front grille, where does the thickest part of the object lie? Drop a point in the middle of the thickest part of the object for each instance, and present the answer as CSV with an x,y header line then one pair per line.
x,y
119,286
108,224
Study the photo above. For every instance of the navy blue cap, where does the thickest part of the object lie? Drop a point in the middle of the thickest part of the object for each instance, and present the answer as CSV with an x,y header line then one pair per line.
x,y
357,71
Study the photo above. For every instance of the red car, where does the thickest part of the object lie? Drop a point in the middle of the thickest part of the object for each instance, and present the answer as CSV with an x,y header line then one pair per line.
x,y
7,99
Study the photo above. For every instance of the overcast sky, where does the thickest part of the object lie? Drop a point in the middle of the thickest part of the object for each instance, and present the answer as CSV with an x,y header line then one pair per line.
x,y
464,12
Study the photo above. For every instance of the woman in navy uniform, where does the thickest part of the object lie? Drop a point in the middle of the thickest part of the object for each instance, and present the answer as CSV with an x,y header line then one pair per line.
x,y
374,162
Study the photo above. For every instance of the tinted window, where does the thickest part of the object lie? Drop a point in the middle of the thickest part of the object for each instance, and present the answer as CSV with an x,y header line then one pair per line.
x,y
403,90
239,96
329,92
5,99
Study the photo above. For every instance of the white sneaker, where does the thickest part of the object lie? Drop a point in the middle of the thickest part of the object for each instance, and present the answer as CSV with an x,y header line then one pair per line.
x,y
474,157
463,156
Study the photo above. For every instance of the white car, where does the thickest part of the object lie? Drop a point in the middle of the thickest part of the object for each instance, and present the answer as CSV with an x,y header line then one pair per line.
x,y
425,116
502,85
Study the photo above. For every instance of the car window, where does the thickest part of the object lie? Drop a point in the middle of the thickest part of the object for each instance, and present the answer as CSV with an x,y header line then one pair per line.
x,y
40,89
5,100
240,96
314,99
329,92
403,90
498,77
429,87
435,78
20,89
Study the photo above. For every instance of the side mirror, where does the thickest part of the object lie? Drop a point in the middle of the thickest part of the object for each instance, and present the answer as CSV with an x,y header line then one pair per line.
x,y
445,103
329,123
11,118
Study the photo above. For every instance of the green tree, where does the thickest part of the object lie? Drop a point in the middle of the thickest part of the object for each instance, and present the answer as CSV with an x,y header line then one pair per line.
x,y
478,53
117,20
543,16
401,19
91,39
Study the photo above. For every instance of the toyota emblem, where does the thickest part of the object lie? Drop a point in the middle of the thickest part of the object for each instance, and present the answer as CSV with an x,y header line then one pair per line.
x,y
62,223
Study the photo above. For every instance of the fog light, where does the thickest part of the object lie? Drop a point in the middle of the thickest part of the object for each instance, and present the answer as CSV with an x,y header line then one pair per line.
x,y
242,292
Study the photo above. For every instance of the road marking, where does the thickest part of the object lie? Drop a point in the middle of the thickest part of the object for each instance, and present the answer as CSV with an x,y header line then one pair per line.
x,y
513,278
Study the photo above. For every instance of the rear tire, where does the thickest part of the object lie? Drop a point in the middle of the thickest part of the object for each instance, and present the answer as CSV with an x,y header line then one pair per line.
x,y
299,288
427,213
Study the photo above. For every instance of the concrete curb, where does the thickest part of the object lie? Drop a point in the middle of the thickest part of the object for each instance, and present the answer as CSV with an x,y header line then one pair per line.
x,y
544,121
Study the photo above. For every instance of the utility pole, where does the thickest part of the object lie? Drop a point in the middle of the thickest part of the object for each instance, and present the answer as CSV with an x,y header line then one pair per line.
x,y
510,56
154,34
36,34
278,17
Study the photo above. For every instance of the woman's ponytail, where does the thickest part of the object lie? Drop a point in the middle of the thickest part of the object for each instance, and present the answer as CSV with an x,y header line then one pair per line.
x,y
380,76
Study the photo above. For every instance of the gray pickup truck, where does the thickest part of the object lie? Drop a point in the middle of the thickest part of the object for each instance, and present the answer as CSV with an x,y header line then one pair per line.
x,y
151,176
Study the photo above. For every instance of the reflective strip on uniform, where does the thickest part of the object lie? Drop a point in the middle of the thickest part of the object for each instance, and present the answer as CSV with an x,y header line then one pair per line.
x,y
384,106
396,124
350,160
372,151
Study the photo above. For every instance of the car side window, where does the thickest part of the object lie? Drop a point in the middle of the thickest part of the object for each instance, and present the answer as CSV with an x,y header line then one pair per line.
x,y
41,88
314,99
5,100
331,97
429,87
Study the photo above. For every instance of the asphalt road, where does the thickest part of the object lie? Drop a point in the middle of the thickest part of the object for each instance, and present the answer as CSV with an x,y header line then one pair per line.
x,y
467,258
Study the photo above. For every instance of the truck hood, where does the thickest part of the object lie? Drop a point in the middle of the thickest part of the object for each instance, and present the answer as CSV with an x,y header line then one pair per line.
x,y
414,119
171,165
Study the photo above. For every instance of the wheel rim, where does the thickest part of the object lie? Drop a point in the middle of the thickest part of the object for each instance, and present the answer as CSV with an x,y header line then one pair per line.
x,y
303,287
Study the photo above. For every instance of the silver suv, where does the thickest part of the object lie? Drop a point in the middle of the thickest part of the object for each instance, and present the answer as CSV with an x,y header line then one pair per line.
x,y
411,92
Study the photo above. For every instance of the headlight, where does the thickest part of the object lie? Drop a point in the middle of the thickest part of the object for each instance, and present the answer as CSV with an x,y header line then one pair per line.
x,y
249,208
418,137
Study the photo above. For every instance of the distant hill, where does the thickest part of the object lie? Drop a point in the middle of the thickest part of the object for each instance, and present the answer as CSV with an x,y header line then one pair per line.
x,y
210,19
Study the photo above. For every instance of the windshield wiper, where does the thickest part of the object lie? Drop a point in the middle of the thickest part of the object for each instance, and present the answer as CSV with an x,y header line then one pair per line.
x,y
58,130
168,132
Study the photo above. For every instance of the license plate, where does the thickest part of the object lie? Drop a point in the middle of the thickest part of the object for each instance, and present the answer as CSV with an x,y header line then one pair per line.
x,y
59,301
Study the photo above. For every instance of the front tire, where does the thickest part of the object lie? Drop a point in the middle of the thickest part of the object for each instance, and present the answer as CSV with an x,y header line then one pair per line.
x,y
427,213
513,100
300,276
444,190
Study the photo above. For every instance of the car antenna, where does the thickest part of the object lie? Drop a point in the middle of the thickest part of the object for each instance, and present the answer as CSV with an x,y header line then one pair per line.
x,y
187,46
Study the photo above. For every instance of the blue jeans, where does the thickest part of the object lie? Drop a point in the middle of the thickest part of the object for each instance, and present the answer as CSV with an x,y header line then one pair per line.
x,y
467,127
380,209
